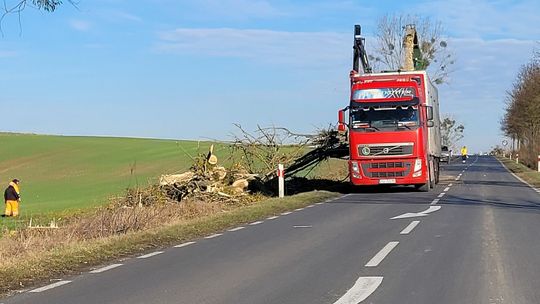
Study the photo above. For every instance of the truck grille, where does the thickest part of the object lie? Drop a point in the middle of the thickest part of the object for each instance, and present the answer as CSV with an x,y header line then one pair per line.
x,y
386,174
386,169
383,150
387,165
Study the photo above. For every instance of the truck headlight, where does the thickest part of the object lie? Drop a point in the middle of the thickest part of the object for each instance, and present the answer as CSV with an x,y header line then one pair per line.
x,y
417,165
355,170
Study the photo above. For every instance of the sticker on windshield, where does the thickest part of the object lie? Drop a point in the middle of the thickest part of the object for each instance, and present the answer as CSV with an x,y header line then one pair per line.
x,y
383,93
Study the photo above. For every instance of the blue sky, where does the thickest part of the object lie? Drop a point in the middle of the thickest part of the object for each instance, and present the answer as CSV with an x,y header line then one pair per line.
x,y
189,69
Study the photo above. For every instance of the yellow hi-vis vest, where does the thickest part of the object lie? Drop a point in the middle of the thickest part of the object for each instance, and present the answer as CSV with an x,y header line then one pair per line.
x,y
463,151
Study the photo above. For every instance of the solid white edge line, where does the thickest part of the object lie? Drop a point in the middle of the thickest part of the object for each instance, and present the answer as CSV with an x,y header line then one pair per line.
x,y
184,244
150,255
320,203
273,217
286,213
361,290
410,227
256,223
99,270
379,257
213,236
310,206
50,286
519,178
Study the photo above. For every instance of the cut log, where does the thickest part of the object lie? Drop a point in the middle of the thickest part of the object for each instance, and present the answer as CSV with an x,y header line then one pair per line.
x,y
170,179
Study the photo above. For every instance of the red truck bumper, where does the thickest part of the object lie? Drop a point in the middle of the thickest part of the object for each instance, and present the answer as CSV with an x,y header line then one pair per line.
x,y
387,172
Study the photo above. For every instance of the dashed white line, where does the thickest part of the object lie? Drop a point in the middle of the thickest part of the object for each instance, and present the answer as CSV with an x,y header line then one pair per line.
x,y
320,203
50,286
236,229
303,226
361,290
410,227
446,189
286,213
435,201
256,223
299,209
441,195
184,244
106,268
213,236
450,185
149,255
310,206
379,257
273,217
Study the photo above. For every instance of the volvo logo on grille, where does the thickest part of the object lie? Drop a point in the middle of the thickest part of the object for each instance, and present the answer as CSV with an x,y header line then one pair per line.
x,y
385,150
366,150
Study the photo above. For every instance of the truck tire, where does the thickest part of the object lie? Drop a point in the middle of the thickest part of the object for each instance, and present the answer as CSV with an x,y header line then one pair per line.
x,y
423,187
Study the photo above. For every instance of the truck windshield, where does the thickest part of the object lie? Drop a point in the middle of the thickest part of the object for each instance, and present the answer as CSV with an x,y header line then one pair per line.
x,y
375,119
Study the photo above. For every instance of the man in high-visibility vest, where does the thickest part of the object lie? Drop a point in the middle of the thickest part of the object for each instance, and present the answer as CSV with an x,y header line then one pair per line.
x,y
12,197
464,153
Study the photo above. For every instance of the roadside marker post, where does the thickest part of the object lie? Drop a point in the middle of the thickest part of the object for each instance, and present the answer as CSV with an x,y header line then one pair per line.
x,y
281,180
517,158
538,167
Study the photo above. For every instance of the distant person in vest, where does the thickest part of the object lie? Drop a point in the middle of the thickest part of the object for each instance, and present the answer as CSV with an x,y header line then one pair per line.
x,y
464,153
12,196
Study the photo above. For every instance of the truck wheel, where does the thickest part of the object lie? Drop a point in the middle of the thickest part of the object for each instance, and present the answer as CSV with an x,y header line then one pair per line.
x,y
422,188
432,173
437,172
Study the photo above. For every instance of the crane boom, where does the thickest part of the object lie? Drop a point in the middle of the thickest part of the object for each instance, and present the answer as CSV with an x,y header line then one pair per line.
x,y
359,54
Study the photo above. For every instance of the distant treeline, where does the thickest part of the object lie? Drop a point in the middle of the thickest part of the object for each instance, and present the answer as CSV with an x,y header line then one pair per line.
x,y
521,121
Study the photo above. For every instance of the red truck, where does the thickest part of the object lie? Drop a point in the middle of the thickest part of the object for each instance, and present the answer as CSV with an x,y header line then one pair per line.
x,y
393,126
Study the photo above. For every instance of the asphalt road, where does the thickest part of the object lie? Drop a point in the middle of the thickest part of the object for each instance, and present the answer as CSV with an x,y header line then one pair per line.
x,y
479,242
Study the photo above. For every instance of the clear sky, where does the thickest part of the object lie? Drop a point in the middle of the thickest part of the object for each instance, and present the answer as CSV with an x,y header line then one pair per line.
x,y
189,69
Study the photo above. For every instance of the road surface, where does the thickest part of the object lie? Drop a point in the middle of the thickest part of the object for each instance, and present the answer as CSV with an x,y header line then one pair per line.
x,y
474,239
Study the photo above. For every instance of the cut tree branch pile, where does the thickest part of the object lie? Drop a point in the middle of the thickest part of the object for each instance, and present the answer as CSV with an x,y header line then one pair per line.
x,y
255,157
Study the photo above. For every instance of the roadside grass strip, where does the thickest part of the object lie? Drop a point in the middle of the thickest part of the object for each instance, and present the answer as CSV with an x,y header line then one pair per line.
x,y
103,269
74,257
379,257
50,286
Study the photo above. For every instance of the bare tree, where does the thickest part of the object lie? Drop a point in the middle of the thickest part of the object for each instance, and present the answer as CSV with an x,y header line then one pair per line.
x,y
389,52
451,132
18,6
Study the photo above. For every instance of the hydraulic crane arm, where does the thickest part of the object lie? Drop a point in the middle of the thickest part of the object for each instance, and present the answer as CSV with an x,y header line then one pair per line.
x,y
359,52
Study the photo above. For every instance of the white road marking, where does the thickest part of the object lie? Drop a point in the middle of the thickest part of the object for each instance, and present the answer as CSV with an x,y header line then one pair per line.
x,y
286,213
320,203
435,201
303,226
299,209
50,286
150,255
457,178
256,223
213,236
450,185
236,229
409,228
105,268
361,290
273,217
184,244
446,189
310,206
423,213
379,257
441,195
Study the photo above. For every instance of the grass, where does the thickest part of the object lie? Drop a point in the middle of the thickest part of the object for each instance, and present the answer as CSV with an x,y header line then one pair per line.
x,y
31,267
62,174
524,172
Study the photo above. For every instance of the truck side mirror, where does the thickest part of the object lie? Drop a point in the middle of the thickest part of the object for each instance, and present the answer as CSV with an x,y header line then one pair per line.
x,y
341,121
429,113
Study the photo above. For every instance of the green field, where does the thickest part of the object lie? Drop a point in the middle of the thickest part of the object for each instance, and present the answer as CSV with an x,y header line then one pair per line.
x,y
60,173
